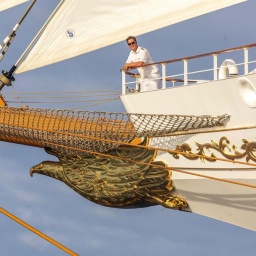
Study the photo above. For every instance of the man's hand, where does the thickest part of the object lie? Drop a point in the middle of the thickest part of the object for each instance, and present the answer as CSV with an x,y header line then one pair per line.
x,y
126,67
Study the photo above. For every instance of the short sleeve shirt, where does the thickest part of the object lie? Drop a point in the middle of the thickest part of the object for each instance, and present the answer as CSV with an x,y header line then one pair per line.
x,y
143,55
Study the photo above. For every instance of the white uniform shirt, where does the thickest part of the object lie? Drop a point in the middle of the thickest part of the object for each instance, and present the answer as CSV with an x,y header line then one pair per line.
x,y
142,54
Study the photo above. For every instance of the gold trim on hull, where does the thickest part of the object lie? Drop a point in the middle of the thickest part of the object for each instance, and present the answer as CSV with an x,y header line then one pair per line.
x,y
224,147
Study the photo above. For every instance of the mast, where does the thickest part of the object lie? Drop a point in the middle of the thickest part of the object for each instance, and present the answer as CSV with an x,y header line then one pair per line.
x,y
8,40
6,78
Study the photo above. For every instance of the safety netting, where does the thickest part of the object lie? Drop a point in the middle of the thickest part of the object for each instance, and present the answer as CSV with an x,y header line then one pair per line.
x,y
67,130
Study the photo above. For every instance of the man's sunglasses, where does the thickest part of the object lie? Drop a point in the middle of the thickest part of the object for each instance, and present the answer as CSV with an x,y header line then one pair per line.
x,y
131,43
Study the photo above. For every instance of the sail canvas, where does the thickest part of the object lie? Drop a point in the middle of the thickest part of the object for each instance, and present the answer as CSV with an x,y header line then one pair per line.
x,y
6,4
83,26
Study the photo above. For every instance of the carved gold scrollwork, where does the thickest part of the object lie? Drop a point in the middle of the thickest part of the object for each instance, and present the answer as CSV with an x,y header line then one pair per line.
x,y
224,147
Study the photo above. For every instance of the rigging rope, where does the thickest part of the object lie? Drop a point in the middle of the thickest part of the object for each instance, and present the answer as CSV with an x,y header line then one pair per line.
x,y
47,128
96,97
63,101
121,143
102,102
60,97
84,94
37,232
163,167
16,95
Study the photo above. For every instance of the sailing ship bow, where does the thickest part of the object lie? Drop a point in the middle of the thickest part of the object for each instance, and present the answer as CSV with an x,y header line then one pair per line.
x,y
105,157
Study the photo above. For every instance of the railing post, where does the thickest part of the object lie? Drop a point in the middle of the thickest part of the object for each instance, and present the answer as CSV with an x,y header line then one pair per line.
x,y
142,77
185,61
215,66
246,60
123,83
137,79
163,75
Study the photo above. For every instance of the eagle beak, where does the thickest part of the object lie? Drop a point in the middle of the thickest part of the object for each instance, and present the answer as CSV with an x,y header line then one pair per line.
x,y
35,169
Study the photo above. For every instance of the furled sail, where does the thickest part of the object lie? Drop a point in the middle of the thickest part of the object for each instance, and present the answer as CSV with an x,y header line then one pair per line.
x,y
82,26
5,4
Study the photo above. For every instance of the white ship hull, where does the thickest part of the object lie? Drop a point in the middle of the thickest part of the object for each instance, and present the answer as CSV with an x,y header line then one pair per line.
x,y
232,145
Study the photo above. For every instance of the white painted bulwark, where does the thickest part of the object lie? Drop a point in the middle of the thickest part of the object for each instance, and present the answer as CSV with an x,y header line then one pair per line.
x,y
232,203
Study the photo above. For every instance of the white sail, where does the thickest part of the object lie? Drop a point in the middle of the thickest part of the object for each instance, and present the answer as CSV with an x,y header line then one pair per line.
x,y
5,4
83,26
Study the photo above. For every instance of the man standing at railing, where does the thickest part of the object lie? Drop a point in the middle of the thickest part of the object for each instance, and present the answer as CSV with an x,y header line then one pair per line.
x,y
138,57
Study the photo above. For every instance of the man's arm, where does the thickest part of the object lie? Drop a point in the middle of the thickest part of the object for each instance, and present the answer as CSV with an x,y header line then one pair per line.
x,y
129,66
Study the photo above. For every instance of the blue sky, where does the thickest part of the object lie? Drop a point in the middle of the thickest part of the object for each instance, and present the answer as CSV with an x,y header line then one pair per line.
x,y
56,210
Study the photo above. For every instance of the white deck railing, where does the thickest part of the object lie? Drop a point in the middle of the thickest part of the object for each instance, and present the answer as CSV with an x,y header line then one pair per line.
x,y
239,60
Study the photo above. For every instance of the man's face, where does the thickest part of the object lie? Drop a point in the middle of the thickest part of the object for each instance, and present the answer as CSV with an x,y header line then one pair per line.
x,y
132,44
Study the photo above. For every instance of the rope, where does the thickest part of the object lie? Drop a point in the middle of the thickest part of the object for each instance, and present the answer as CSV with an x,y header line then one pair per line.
x,y
164,150
100,97
16,95
70,92
166,168
118,143
37,232
60,97
62,101
28,133
91,105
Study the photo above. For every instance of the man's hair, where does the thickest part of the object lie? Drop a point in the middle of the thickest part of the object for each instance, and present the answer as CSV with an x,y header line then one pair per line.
x,y
131,37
